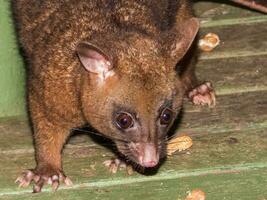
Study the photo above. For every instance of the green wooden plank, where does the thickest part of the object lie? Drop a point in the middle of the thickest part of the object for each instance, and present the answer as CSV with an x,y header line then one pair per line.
x,y
222,10
231,75
223,13
14,128
19,129
221,150
240,111
237,185
236,21
238,41
11,68
231,151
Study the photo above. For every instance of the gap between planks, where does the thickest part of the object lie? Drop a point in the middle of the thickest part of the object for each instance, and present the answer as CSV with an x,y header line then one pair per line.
x,y
167,175
206,23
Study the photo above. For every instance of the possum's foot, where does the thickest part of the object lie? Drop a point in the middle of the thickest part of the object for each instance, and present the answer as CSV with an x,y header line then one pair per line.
x,y
39,178
115,164
203,95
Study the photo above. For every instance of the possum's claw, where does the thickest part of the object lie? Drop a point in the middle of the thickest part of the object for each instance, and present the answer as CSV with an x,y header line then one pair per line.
x,y
203,95
40,180
25,179
114,164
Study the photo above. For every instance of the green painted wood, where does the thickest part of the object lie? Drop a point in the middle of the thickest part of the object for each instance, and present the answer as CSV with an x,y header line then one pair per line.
x,y
218,11
235,21
238,41
232,151
244,185
12,81
231,75
238,111
225,13
14,128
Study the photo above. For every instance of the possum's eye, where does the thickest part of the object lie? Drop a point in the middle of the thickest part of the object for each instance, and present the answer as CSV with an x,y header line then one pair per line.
x,y
166,116
124,121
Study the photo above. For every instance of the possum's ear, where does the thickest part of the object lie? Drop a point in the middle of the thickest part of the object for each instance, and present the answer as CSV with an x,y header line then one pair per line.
x,y
94,59
187,32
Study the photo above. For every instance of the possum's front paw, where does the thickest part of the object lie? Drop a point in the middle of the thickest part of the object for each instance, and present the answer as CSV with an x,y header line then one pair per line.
x,y
203,95
42,176
114,164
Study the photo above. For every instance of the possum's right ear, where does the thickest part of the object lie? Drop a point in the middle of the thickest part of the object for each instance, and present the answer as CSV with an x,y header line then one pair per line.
x,y
94,59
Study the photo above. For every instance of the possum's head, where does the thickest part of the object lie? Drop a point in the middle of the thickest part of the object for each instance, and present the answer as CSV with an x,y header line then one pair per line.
x,y
133,95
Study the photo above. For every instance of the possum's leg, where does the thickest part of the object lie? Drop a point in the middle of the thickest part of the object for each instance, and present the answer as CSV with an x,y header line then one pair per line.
x,y
200,93
49,138
48,145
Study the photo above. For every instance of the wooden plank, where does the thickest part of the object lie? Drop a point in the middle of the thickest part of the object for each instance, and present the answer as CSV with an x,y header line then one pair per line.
x,y
236,185
221,10
232,75
19,129
259,5
236,21
224,149
214,14
232,151
223,13
238,111
238,41
15,134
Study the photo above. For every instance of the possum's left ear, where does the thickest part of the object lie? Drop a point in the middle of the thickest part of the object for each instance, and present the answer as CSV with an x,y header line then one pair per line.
x,y
94,59
187,32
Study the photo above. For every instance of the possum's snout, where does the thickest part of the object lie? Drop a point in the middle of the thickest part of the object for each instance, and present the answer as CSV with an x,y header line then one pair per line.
x,y
144,154
149,156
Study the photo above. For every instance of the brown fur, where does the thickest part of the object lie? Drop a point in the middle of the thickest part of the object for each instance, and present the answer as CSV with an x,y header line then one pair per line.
x,y
138,36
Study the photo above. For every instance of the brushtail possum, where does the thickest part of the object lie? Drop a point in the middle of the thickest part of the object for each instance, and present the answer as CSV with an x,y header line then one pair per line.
x,y
109,63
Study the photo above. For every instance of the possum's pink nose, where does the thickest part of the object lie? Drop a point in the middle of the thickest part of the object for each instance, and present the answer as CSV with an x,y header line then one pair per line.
x,y
149,163
150,156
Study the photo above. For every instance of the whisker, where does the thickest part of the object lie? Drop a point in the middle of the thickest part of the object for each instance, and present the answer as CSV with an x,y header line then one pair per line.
x,y
176,142
172,136
195,140
87,131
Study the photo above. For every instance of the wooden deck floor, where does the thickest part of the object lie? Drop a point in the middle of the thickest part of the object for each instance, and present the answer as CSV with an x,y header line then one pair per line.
x,y
228,159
